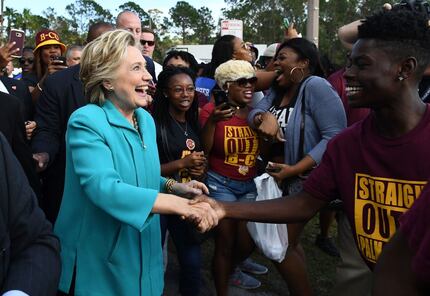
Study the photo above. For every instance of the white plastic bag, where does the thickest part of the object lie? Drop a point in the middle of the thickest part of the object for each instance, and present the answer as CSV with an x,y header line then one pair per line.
x,y
271,239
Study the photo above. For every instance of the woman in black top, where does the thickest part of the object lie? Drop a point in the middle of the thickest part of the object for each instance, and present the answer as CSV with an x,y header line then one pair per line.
x,y
176,118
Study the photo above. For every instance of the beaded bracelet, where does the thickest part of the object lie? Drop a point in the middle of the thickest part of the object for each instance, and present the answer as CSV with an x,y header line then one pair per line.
x,y
169,185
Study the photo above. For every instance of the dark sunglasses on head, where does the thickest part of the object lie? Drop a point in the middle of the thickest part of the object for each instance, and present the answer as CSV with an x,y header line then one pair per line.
x,y
23,60
242,82
150,43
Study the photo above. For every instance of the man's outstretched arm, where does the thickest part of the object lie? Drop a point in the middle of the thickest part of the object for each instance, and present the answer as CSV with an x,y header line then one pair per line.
x,y
291,209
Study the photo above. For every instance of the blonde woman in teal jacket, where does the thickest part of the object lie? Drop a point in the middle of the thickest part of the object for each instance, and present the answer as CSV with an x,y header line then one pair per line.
x,y
107,225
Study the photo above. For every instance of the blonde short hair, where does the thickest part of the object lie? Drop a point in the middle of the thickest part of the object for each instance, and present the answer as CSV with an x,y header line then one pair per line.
x,y
99,61
233,70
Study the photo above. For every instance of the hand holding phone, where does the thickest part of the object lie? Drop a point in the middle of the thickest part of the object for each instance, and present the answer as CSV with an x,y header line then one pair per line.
x,y
59,60
220,97
290,30
57,63
17,36
286,22
271,169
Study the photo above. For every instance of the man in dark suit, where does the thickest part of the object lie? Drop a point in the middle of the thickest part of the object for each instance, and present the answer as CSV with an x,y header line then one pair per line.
x,y
62,94
29,258
20,90
12,127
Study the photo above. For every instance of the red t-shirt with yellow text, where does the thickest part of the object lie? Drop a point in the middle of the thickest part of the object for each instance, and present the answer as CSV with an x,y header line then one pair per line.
x,y
415,226
235,147
378,179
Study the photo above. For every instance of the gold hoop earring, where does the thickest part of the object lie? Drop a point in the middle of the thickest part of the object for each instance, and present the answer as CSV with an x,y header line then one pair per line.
x,y
293,76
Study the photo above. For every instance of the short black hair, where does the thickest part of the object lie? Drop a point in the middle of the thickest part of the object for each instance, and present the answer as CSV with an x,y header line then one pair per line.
x,y
149,30
401,33
222,51
185,56
305,49
96,28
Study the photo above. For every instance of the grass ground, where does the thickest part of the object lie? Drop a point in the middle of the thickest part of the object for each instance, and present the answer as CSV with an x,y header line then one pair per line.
x,y
321,268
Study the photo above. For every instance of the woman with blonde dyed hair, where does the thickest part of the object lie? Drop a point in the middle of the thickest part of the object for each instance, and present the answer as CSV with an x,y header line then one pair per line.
x,y
108,223
232,147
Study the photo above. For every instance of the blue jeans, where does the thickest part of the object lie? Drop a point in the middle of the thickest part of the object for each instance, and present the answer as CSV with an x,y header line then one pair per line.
x,y
188,252
226,189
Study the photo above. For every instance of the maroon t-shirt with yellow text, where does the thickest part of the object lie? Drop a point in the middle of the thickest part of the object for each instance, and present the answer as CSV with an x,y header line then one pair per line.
x,y
235,147
378,179
415,226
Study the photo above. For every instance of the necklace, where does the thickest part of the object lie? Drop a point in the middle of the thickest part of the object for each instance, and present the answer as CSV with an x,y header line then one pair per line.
x,y
189,143
136,127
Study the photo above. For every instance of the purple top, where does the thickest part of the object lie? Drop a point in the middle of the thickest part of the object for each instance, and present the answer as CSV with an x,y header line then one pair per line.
x,y
377,178
415,226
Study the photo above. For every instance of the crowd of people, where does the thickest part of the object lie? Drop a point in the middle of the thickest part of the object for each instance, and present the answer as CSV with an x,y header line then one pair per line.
x,y
106,154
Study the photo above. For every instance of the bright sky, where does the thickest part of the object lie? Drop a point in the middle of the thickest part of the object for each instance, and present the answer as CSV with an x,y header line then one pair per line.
x,y
37,7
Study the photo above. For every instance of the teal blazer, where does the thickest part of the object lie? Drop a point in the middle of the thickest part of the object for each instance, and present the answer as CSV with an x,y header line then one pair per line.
x,y
107,232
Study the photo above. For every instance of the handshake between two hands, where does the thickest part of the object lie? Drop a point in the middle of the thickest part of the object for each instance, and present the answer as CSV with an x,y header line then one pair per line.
x,y
202,211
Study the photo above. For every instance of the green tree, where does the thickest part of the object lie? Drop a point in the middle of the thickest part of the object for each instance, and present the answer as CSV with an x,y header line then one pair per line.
x,y
333,15
132,6
10,15
204,26
25,21
155,16
262,20
83,13
184,17
62,25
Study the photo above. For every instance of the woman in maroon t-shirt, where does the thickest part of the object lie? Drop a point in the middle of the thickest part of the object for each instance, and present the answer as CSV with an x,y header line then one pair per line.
x,y
232,148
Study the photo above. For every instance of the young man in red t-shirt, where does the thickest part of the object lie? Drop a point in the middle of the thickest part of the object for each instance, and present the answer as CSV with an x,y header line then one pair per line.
x,y
404,265
379,166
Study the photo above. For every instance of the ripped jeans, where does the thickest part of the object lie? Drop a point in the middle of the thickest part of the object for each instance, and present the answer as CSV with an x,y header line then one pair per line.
x,y
226,189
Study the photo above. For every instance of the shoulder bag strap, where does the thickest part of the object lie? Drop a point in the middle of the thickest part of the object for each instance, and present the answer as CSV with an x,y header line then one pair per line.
x,y
302,122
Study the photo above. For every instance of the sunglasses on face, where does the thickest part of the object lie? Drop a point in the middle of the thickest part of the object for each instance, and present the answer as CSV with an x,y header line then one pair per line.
x,y
150,43
242,82
23,60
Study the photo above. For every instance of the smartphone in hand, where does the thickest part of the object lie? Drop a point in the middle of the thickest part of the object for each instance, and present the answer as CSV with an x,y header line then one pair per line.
x,y
17,36
220,97
59,60
272,169
286,22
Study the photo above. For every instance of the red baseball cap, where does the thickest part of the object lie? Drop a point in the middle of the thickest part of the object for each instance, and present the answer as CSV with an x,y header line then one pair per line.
x,y
48,37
